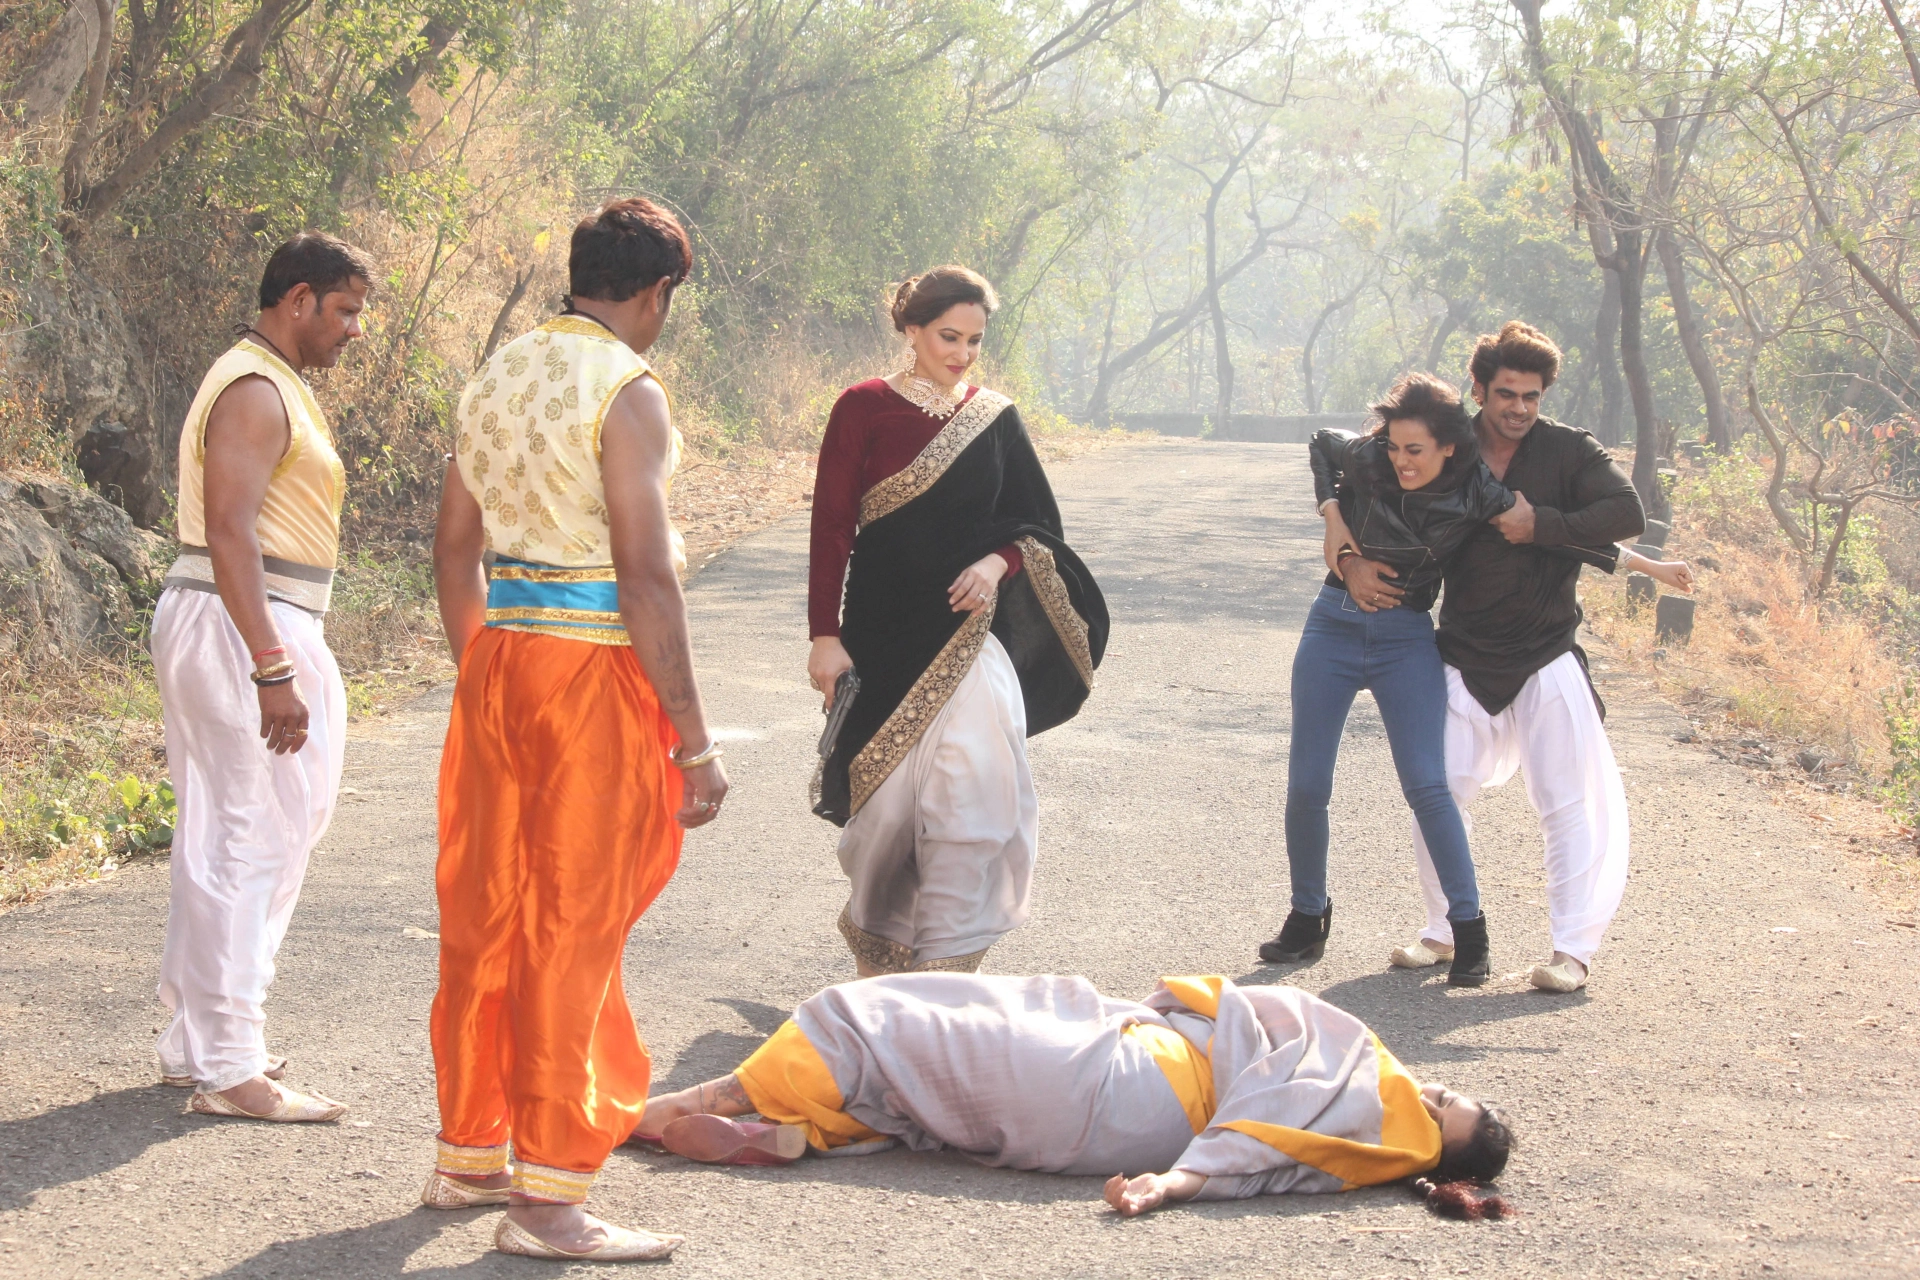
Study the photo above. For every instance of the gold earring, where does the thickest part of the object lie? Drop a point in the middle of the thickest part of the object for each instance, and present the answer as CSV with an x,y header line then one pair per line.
x,y
912,360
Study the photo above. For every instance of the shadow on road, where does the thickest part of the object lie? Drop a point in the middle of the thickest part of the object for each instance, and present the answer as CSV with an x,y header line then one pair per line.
x,y
715,1053
380,1248
84,1139
1414,1013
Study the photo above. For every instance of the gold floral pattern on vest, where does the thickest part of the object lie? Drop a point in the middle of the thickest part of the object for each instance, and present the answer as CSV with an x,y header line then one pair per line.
x,y
528,441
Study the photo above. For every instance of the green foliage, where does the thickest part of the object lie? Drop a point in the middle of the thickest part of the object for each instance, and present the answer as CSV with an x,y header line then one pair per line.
x,y
127,816
1902,789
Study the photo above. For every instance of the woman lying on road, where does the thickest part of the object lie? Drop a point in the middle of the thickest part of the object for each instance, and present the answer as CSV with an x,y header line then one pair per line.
x,y
1236,1091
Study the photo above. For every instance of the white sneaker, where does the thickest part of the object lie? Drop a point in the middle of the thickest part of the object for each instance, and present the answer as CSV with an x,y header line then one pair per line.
x,y
1566,976
1421,954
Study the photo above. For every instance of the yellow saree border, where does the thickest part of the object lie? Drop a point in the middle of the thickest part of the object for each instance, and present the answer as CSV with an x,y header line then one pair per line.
x,y
789,1083
1188,1071
470,1162
1051,590
896,735
903,486
1409,1137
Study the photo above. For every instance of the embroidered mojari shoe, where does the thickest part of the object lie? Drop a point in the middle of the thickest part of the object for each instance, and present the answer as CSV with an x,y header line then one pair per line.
x,y
290,1107
718,1140
1563,977
1423,953
445,1192
276,1070
623,1244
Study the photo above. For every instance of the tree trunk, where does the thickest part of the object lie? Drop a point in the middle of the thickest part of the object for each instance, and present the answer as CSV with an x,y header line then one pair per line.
x,y
505,314
1719,431
238,73
1606,360
1633,362
59,63
1222,371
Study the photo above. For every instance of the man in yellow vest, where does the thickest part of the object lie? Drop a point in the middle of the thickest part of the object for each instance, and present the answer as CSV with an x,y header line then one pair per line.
x,y
254,709
577,752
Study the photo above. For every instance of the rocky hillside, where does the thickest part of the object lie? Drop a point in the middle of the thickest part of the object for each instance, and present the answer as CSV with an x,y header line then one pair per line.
x,y
76,574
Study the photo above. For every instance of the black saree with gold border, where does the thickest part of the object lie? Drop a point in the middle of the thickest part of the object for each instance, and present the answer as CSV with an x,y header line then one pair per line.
x,y
977,486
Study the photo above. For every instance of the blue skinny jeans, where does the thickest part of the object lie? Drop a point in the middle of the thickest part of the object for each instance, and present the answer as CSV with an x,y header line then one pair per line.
x,y
1342,651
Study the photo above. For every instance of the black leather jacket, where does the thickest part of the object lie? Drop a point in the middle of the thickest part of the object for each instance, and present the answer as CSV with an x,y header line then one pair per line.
x,y
1415,532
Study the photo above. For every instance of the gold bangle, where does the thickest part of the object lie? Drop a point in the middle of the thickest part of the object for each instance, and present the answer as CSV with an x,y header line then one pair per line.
x,y
268,673
712,753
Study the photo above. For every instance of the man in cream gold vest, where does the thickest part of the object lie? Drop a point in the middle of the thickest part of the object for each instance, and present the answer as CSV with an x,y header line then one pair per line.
x,y
254,709
577,751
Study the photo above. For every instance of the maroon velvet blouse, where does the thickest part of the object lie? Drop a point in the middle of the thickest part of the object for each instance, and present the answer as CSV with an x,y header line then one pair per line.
x,y
873,432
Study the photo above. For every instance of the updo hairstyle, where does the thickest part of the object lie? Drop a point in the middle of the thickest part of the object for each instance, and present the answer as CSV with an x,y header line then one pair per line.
x,y
925,298
1425,398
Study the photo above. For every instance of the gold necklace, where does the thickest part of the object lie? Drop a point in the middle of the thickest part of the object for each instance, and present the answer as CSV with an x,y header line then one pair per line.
x,y
930,397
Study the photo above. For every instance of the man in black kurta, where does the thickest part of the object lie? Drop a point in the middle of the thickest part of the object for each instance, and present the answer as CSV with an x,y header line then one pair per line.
x,y
1518,692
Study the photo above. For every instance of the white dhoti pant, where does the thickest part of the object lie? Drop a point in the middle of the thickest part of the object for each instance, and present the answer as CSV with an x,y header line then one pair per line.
x,y
1554,735
941,855
248,820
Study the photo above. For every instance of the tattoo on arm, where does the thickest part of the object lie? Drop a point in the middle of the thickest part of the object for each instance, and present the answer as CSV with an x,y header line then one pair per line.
x,y
728,1092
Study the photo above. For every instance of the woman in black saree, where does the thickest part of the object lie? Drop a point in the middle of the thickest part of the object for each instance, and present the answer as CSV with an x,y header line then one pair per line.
x,y
969,624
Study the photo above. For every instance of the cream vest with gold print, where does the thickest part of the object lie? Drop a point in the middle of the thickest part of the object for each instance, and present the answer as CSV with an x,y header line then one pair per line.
x,y
528,444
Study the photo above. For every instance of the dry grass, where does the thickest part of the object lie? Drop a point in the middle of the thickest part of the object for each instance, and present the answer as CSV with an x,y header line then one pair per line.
x,y
1774,679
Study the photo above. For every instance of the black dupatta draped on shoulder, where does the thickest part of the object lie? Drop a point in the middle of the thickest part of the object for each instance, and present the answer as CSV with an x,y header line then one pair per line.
x,y
977,486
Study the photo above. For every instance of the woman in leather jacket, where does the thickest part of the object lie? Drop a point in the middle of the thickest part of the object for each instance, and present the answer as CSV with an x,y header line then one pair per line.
x,y
1407,494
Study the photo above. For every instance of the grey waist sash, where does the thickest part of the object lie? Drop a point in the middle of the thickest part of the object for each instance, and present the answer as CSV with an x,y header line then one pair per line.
x,y
304,586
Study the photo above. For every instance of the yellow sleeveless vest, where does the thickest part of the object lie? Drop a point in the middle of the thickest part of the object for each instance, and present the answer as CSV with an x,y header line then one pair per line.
x,y
299,523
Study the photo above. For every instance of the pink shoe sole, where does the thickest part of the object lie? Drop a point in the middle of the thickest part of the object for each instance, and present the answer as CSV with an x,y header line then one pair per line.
x,y
718,1140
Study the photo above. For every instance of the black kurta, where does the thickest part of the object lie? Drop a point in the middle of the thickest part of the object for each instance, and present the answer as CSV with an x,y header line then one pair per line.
x,y
1509,610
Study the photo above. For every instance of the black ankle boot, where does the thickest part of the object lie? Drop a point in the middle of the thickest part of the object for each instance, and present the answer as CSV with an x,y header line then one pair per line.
x,y
1302,937
1472,965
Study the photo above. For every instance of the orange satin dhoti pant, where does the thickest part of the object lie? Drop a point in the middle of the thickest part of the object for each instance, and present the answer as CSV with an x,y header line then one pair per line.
x,y
557,799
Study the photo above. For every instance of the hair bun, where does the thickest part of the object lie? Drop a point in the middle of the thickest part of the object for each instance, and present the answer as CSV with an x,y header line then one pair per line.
x,y
924,298
902,299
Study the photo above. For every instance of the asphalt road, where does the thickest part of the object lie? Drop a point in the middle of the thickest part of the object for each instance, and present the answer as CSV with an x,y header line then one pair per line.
x,y
1734,1094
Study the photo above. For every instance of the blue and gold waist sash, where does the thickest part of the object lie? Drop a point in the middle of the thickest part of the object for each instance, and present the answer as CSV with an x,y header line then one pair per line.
x,y
575,604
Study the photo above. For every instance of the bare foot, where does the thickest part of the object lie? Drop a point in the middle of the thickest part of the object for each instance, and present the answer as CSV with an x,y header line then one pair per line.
x,y
256,1097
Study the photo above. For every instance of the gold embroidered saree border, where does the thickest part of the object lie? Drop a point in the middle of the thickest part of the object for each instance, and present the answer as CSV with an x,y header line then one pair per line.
x,y
1051,590
895,737
903,486
883,955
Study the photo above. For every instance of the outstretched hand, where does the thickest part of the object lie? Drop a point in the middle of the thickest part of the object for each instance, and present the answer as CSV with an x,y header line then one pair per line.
x,y
1135,1196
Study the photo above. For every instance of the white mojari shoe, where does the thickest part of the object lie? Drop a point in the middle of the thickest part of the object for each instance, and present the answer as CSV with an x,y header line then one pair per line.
x,y
445,1192
290,1107
1424,952
623,1245
1563,977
